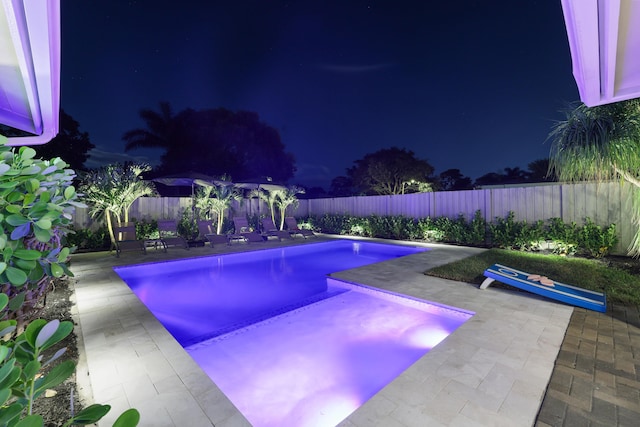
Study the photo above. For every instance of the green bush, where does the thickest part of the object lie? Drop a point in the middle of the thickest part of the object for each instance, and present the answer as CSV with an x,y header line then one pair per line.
x,y
332,224
86,239
147,229
187,224
595,242
563,237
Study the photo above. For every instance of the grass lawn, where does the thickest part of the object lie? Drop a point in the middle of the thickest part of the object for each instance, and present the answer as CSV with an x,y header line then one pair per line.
x,y
619,285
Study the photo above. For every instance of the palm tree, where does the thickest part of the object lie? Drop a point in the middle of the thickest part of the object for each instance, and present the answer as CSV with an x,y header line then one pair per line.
x,y
162,130
216,199
600,143
270,198
284,199
111,190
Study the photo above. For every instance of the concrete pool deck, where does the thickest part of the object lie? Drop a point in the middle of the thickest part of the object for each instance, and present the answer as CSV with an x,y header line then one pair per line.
x,y
494,370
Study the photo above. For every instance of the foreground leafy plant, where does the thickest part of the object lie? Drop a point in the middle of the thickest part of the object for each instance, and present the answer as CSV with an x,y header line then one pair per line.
x,y
37,201
22,379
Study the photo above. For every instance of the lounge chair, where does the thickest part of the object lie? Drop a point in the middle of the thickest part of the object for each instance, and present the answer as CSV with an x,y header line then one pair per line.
x,y
243,231
205,231
168,230
126,239
293,229
269,229
546,287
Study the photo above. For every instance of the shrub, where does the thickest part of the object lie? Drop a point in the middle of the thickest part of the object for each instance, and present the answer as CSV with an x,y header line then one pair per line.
x,y
595,242
86,239
147,229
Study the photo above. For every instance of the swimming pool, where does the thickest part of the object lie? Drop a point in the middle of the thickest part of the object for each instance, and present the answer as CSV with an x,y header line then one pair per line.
x,y
287,345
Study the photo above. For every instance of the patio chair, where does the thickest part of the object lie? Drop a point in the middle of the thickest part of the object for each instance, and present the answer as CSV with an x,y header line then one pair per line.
x,y
269,229
168,230
293,229
126,239
243,231
205,231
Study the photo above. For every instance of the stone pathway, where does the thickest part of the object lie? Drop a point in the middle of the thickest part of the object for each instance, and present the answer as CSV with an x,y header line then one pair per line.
x,y
596,378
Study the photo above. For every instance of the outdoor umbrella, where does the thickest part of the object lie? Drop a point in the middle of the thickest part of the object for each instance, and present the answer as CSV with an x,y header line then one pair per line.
x,y
189,179
186,179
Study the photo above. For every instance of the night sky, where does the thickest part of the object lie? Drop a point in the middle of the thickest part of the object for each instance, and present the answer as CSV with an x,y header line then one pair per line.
x,y
472,85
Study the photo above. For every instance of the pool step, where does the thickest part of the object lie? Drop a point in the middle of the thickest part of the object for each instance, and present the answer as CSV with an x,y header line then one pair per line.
x,y
237,327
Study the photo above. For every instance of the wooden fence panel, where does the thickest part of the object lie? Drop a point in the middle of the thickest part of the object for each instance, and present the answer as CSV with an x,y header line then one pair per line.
x,y
604,203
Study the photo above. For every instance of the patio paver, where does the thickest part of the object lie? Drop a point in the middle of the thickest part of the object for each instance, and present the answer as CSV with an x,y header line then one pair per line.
x,y
494,370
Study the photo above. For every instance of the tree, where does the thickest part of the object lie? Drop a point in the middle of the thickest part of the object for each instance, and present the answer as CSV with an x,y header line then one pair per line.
x,y
341,186
538,171
70,144
389,171
284,199
111,190
213,142
453,180
216,199
600,143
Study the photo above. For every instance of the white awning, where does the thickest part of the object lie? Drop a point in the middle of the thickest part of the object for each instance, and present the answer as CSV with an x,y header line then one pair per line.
x,y
604,38
30,68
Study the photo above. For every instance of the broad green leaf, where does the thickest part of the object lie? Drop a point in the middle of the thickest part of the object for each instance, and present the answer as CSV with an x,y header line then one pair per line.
x,y
21,231
129,418
45,224
10,377
49,169
16,276
91,414
5,394
5,371
55,357
27,254
28,199
69,192
64,254
7,327
27,152
56,270
33,420
16,219
45,197
46,332
31,369
16,302
9,413
64,329
42,235
4,168
9,184
58,374
4,298
32,331
31,170
34,184
14,197
25,265
3,240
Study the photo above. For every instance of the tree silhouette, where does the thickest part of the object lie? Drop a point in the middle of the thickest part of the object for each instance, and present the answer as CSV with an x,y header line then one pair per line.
x,y
453,180
389,171
71,145
214,142
539,171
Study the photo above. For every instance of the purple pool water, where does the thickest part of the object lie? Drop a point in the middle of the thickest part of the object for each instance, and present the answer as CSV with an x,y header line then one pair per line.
x,y
286,344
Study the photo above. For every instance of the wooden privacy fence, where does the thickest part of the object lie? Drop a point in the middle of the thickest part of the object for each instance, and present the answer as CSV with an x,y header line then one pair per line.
x,y
604,203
